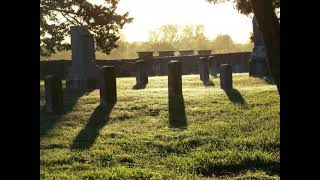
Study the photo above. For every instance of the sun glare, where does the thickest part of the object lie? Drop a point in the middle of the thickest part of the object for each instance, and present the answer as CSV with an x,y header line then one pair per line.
x,y
151,14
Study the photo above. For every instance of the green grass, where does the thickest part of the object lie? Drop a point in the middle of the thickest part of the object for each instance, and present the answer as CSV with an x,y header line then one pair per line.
x,y
227,136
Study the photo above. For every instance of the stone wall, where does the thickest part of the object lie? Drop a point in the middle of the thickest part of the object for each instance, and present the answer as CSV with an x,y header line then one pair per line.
x,y
156,65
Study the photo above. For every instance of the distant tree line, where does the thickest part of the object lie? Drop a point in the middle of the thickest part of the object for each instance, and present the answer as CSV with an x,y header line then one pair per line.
x,y
169,37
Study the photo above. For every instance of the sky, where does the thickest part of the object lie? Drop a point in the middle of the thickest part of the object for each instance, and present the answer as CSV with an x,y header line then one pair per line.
x,y
151,14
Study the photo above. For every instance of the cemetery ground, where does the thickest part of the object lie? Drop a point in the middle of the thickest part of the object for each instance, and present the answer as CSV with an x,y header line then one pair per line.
x,y
227,135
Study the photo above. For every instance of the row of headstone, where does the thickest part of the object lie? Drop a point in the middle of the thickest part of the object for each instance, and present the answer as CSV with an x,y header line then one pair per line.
x,y
83,73
108,84
143,54
175,74
142,75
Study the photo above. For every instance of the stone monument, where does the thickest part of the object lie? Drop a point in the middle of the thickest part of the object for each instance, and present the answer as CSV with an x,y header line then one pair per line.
x,y
174,78
108,85
226,77
203,69
53,94
151,64
213,66
83,72
258,62
141,73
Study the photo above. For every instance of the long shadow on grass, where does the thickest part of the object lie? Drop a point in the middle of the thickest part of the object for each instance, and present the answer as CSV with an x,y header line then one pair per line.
x,y
235,96
87,136
177,114
49,120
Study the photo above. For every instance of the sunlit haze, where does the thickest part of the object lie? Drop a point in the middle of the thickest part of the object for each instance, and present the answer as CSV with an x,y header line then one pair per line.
x,y
151,14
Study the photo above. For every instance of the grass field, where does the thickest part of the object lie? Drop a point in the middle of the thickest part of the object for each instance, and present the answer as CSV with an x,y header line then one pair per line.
x,y
227,135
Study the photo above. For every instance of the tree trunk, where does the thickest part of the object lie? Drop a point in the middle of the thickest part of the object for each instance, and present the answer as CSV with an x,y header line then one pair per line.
x,y
270,29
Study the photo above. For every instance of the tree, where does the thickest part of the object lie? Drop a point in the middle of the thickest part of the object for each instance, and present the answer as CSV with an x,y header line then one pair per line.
x,y
187,37
169,33
193,37
269,25
164,38
223,43
56,17
200,38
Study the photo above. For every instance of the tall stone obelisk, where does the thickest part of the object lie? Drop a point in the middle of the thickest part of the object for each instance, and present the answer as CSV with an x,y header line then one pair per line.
x,y
259,66
83,72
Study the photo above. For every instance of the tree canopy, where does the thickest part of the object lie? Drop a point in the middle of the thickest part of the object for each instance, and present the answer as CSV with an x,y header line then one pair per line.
x,y
56,17
244,6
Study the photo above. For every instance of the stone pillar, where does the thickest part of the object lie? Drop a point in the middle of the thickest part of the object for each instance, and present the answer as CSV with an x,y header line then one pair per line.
x,y
226,77
204,52
152,66
108,85
53,94
174,78
141,74
203,69
156,66
213,66
83,72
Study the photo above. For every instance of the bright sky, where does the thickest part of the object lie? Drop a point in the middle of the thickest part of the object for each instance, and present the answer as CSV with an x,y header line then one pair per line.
x,y
151,14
